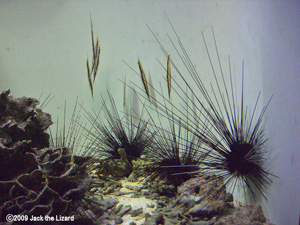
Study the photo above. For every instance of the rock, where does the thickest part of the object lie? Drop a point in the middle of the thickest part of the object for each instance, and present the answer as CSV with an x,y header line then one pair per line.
x,y
133,177
202,210
246,215
153,196
150,205
210,222
229,197
109,203
136,212
51,184
116,167
36,179
118,208
167,190
119,193
191,186
161,204
205,186
186,200
119,221
155,220
137,194
44,187
20,119
132,223
146,192
124,210
134,187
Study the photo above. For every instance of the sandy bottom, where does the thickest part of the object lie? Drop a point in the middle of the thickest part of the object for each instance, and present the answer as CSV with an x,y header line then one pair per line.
x,y
135,203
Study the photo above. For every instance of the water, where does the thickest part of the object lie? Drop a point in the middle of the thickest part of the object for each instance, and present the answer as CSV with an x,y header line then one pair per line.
x,y
44,48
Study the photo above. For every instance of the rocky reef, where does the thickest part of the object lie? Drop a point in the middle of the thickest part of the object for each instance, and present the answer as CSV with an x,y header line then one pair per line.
x,y
146,202
36,179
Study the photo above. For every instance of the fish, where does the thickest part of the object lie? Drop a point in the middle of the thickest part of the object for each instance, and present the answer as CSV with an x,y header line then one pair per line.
x,y
169,78
144,80
92,72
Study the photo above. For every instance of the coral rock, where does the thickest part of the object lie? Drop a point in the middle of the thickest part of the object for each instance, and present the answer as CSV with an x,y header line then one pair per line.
x,y
21,120
247,215
36,180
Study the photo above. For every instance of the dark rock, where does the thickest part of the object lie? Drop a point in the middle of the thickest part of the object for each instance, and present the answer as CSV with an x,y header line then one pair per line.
x,y
161,204
137,194
150,205
47,190
124,210
132,223
116,167
17,160
155,220
167,190
134,188
146,192
118,208
186,200
229,197
119,221
109,203
246,215
208,209
210,222
21,120
133,176
136,212
34,179
204,186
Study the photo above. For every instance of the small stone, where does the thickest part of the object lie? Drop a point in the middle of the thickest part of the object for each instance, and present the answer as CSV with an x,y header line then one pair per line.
x,y
161,204
136,212
229,197
201,223
146,192
155,219
119,193
132,223
118,208
171,214
154,196
164,199
108,190
109,203
206,209
119,221
147,215
133,177
134,188
137,194
158,206
249,214
185,199
124,210
113,217
150,205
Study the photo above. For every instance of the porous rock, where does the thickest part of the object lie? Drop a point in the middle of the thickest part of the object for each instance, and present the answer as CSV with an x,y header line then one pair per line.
x,y
247,215
36,180
20,119
41,191
116,167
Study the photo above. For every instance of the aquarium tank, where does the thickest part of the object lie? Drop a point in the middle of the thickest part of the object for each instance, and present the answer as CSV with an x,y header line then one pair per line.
x,y
149,112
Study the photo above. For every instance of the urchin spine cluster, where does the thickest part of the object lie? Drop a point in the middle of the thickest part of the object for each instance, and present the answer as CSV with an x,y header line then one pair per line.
x,y
231,139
